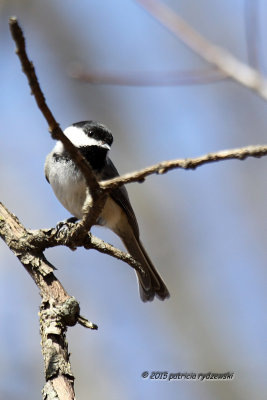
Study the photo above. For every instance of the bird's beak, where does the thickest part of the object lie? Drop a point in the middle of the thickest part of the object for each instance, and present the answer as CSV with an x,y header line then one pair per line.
x,y
104,146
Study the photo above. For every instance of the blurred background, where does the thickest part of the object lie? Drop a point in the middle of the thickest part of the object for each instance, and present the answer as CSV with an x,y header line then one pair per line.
x,y
205,230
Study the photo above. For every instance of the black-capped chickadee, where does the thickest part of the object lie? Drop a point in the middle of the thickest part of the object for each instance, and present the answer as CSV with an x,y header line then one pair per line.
x,y
94,140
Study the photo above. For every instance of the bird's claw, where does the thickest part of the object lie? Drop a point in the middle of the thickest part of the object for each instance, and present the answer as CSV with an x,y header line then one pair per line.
x,y
64,226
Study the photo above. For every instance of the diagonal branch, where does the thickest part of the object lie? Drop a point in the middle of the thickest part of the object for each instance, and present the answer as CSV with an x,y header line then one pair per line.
x,y
106,248
222,59
56,132
42,239
187,163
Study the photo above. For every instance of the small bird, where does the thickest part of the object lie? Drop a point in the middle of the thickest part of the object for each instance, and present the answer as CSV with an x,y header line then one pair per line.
x,y
94,140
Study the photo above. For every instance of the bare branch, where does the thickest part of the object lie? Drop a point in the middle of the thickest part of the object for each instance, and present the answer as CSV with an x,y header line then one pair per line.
x,y
106,248
222,59
86,324
187,163
58,309
41,239
56,132
171,78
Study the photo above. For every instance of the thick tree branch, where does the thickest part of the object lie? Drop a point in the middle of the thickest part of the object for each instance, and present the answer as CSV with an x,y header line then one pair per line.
x,y
187,163
58,310
222,59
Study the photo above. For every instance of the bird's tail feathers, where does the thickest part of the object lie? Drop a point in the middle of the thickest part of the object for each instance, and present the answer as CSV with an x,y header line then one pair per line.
x,y
150,282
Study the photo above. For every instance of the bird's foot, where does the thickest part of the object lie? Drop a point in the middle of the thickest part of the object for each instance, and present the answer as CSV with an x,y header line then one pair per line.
x,y
65,226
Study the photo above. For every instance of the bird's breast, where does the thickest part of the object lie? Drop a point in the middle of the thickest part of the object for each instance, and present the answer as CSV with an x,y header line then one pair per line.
x,y
68,185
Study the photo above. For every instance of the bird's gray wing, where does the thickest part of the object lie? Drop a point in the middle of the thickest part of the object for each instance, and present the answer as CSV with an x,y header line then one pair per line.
x,y
120,195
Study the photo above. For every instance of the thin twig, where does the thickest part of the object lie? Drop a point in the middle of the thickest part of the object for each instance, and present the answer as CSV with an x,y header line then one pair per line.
x,y
222,59
171,78
86,324
42,239
56,132
106,248
187,163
